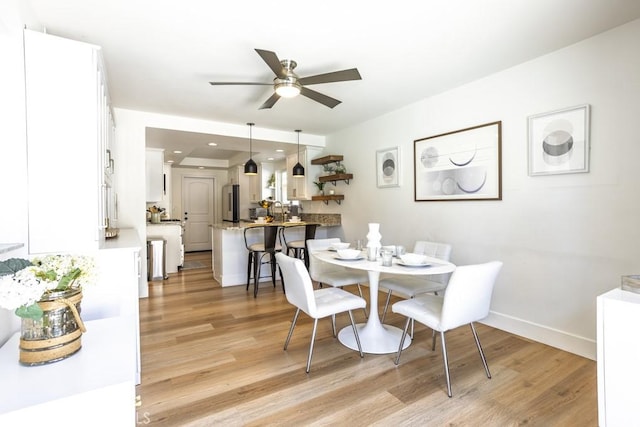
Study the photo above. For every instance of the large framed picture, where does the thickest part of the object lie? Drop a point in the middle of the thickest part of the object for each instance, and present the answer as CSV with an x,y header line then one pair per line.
x,y
388,167
559,141
464,164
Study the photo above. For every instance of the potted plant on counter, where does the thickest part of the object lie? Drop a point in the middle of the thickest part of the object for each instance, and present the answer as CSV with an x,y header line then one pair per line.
x,y
46,293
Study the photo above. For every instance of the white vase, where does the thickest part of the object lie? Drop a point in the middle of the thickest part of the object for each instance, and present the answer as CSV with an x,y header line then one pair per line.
x,y
374,236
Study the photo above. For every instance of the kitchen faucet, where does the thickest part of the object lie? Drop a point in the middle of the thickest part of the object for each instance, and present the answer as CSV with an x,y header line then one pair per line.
x,y
283,217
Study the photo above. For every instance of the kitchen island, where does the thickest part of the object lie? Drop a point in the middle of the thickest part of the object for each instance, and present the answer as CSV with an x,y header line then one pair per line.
x,y
229,253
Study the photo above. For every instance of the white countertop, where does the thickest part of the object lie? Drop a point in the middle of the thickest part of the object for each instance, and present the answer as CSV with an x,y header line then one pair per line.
x,y
127,238
8,247
108,347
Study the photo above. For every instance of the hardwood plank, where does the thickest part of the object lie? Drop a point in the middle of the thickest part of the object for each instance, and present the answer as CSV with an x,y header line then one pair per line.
x,y
214,356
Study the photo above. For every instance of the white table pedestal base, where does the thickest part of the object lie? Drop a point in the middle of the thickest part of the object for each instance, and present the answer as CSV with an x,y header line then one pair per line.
x,y
375,338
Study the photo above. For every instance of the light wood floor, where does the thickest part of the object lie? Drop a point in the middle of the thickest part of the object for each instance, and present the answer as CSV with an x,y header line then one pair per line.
x,y
214,356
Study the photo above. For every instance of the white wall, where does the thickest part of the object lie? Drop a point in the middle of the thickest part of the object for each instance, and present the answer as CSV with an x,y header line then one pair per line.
x,y
564,239
13,144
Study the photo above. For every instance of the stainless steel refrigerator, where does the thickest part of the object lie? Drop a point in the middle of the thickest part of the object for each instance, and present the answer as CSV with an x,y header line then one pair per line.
x,y
231,203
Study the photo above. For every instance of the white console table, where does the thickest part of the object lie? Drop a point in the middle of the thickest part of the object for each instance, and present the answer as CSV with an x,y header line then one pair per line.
x,y
95,386
618,322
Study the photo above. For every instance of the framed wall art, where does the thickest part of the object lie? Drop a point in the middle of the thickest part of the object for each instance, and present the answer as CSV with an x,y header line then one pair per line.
x,y
388,167
559,141
464,164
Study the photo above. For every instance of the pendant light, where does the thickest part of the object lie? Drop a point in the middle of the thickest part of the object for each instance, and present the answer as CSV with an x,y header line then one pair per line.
x,y
298,170
250,167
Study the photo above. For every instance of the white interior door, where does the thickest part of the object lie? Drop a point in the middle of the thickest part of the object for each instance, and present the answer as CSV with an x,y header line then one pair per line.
x,y
198,204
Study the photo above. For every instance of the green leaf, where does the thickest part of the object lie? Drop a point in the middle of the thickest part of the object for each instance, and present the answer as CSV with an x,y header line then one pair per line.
x,y
68,278
30,312
13,265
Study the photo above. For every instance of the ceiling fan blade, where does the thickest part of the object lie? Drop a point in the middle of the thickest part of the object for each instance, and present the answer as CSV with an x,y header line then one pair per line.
x,y
319,97
269,102
273,62
239,83
336,76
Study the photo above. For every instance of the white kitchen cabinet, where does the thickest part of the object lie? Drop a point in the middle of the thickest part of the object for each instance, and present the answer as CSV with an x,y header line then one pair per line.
x,y
69,128
302,188
154,163
255,186
618,317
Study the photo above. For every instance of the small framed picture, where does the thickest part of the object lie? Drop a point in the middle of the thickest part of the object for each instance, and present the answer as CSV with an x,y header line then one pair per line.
x,y
559,141
388,167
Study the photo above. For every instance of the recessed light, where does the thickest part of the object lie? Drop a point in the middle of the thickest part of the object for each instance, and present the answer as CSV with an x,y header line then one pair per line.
x,y
177,152
212,144
279,150
169,161
200,167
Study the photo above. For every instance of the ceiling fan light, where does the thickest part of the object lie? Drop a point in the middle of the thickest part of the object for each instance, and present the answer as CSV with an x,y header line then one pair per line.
x,y
298,171
287,89
250,168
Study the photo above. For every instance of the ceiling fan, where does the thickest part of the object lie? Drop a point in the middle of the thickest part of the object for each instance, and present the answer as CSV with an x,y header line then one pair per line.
x,y
288,84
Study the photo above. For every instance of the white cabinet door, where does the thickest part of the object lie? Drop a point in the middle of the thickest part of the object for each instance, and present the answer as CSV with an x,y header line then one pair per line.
x,y
154,162
618,315
255,186
66,99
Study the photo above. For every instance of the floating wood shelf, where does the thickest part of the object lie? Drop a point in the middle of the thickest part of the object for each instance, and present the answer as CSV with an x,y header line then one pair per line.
x,y
327,159
337,177
338,198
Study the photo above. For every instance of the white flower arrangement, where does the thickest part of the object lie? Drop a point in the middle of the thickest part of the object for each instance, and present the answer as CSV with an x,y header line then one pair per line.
x,y
23,283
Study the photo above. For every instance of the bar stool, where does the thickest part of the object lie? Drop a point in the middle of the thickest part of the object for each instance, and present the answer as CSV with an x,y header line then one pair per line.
x,y
299,247
258,250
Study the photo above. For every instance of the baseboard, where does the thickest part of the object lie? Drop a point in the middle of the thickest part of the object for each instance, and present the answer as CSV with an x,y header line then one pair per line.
x,y
564,341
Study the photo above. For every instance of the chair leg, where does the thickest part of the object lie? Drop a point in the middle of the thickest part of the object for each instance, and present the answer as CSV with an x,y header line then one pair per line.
x,y
386,306
366,315
355,332
484,361
293,325
313,338
433,340
404,335
446,363
333,325
272,259
249,263
284,291
257,262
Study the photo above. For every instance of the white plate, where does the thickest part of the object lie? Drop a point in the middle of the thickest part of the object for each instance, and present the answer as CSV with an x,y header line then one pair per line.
x,y
349,259
426,264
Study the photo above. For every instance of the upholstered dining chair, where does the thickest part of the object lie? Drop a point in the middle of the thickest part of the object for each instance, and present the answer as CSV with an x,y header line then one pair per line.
x,y
410,286
261,241
333,275
466,299
317,304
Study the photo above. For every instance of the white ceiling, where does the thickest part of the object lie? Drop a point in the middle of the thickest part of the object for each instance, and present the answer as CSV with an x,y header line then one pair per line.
x,y
161,54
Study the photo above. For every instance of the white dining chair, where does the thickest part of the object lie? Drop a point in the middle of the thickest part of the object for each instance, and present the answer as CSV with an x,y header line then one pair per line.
x,y
318,303
466,299
333,275
410,286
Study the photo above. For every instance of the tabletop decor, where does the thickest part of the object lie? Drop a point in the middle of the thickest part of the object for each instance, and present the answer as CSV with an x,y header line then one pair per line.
x,y
460,165
559,141
46,293
373,241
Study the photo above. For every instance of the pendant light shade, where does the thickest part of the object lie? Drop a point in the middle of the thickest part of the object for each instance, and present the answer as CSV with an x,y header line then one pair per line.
x,y
298,169
250,167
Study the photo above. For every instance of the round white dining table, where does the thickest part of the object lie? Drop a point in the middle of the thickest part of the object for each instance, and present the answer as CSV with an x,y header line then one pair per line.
x,y
375,337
